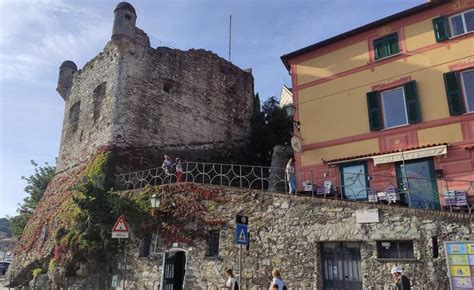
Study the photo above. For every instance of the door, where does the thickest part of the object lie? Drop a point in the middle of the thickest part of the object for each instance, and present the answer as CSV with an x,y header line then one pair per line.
x,y
341,266
354,181
174,270
417,183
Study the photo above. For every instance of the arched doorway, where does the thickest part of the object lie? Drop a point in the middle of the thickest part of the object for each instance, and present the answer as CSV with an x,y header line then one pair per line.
x,y
174,269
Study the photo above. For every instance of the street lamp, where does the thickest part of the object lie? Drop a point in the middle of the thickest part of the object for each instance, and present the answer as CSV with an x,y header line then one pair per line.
x,y
290,111
155,201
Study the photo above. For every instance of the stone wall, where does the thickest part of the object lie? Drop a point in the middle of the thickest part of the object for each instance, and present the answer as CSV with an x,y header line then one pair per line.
x,y
148,101
288,233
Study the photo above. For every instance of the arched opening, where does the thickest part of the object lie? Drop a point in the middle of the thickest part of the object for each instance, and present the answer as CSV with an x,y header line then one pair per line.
x,y
174,270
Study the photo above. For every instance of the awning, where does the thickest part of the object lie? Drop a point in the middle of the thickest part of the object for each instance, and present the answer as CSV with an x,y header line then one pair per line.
x,y
410,154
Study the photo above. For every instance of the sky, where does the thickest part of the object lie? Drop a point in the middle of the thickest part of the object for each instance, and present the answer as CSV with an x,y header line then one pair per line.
x,y
36,36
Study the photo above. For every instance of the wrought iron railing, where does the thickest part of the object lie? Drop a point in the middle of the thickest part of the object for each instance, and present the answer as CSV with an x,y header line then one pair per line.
x,y
412,191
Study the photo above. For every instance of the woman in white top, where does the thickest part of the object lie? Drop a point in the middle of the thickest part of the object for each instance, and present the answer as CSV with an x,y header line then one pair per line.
x,y
230,284
277,282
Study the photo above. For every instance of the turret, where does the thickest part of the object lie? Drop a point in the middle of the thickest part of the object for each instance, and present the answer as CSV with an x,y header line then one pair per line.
x,y
124,22
66,74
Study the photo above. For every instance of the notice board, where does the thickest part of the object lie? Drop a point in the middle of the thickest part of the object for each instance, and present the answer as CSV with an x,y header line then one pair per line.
x,y
460,260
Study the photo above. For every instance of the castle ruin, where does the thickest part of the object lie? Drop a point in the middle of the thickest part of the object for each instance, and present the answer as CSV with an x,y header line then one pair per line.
x,y
146,101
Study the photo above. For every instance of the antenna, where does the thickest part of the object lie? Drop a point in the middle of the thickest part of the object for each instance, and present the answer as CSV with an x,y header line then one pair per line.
x,y
230,36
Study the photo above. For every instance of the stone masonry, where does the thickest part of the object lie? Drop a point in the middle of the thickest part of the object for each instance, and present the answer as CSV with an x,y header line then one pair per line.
x,y
146,101
288,233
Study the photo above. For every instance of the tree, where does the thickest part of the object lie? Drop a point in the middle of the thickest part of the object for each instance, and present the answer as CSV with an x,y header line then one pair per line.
x,y
270,127
35,188
5,226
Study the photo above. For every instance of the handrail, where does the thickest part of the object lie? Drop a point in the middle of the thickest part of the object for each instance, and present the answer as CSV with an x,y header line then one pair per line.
x,y
421,192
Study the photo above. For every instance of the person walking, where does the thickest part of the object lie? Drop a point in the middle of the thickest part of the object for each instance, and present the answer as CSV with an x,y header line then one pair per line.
x,y
231,282
290,174
178,170
277,282
167,167
402,281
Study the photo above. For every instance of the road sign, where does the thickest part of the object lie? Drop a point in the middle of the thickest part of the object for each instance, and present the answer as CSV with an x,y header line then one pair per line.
x,y
241,234
120,229
114,281
241,219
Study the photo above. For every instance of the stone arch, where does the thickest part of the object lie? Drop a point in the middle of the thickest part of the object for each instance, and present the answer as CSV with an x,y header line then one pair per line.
x,y
97,97
74,113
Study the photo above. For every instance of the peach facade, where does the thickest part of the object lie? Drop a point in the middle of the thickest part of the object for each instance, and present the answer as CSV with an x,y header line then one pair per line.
x,y
331,82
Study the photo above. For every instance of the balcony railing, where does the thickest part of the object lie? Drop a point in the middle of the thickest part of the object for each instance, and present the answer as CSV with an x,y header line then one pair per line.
x,y
412,191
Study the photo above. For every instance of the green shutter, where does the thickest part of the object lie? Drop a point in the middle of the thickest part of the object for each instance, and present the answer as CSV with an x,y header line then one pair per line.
x,y
412,102
380,47
453,92
441,28
373,106
393,43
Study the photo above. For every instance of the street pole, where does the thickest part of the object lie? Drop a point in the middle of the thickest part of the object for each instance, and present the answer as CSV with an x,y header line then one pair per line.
x,y
124,264
240,266
407,187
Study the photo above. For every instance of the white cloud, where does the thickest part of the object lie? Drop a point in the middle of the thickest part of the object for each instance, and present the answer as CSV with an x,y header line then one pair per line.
x,y
38,36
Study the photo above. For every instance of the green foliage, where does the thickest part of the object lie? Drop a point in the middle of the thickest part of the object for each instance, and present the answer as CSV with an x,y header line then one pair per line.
x,y
18,223
5,226
36,272
52,265
35,188
270,127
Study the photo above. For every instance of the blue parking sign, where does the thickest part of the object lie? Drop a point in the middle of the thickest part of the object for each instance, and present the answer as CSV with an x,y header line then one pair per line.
x,y
241,234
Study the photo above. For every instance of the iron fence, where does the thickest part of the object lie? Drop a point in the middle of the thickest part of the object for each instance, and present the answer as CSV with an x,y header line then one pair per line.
x,y
410,190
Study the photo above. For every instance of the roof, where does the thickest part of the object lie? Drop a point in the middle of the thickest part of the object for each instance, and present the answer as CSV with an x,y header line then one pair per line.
x,y
382,153
68,63
125,5
425,6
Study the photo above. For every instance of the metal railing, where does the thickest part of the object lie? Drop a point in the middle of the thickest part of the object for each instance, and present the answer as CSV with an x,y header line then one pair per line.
x,y
412,191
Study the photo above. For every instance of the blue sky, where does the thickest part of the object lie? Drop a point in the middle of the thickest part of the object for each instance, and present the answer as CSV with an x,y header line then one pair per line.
x,y
37,36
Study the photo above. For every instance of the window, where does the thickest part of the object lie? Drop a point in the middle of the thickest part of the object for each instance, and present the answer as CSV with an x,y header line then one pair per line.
x,y
386,46
394,107
459,24
395,250
213,244
354,181
144,249
460,91
462,23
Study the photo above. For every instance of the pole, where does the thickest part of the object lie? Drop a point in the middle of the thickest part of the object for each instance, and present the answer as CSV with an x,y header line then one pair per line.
x,y
407,187
240,266
230,36
124,264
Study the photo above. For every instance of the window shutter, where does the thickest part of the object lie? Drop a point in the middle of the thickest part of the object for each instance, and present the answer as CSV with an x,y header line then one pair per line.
x,y
144,249
373,107
412,102
453,92
393,44
441,28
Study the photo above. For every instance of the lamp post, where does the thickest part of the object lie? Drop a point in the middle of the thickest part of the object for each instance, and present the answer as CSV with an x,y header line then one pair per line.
x,y
155,204
290,112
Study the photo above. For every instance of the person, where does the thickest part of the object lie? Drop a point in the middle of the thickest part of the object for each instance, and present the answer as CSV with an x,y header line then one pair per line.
x,y
231,282
167,167
290,174
277,282
402,282
179,170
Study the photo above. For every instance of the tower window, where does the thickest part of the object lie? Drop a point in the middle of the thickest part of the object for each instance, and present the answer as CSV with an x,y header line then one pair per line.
x,y
97,97
74,115
128,16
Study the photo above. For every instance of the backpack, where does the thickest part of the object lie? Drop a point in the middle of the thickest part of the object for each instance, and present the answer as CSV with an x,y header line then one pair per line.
x,y
236,286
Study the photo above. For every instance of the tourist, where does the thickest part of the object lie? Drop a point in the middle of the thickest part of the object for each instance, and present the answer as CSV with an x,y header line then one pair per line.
x,y
167,167
290,174
179,170
277,282
402,282
231,282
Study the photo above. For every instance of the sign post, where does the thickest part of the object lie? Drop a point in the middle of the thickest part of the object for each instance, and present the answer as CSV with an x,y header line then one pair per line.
x,y
120,231
241,238
460,262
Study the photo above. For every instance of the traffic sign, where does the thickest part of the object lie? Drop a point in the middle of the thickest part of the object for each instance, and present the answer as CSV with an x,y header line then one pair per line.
x,y
120,229
241,234
241,219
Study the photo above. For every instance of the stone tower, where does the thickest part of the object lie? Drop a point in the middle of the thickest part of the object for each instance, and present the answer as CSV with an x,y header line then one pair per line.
x,y
66,73
145,101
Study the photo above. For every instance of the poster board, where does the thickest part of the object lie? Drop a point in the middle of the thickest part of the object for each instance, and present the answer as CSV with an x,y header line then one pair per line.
x,y
460,262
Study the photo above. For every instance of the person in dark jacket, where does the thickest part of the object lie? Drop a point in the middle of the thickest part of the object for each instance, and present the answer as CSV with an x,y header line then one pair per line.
x,y
402,281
